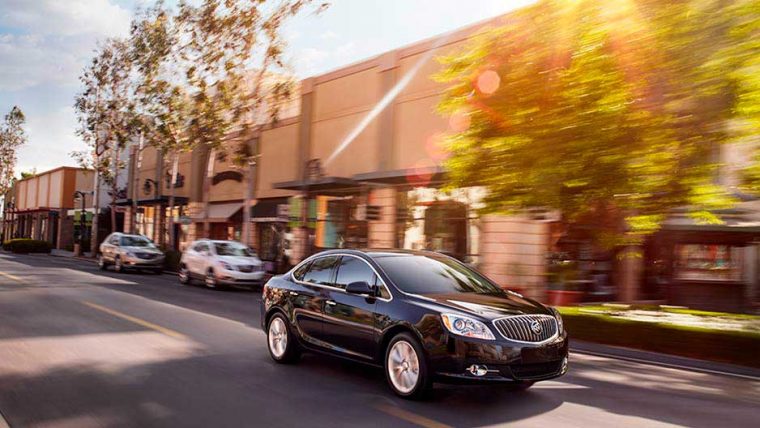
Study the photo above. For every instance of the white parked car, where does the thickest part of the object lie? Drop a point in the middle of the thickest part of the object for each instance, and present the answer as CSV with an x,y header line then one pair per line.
x,y
220,263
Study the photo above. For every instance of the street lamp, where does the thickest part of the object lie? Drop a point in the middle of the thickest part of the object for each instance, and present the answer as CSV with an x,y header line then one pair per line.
x,y
82,220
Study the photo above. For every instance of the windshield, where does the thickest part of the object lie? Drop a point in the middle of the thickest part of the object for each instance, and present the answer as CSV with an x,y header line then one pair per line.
x,y
232,249
423,274
135,241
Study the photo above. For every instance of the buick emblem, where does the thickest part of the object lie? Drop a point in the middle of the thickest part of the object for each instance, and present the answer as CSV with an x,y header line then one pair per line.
x,y
535,327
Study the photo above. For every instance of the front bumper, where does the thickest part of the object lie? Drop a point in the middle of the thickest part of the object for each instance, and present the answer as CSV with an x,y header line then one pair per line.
x,y
505,361
240,278
144,263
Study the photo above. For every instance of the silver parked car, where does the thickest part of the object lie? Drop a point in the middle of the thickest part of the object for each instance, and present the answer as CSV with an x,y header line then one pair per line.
x,y
125,251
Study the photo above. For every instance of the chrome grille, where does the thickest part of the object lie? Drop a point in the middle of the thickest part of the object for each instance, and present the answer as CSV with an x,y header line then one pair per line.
x,y
527,328
246,268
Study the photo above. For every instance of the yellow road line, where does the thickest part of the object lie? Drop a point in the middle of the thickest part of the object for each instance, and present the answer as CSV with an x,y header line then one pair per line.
x,y
13,277
410,417
142,322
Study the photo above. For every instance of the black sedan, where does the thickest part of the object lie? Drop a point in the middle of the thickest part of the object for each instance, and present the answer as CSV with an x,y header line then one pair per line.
x,y
422,316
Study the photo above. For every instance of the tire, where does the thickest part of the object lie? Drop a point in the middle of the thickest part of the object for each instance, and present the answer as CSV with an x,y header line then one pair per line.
x,y
210,279
281,342
117,266
406,367
102,265
184,275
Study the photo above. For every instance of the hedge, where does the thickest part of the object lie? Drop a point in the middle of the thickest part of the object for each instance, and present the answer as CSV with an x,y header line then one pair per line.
x,y
729,346
23,246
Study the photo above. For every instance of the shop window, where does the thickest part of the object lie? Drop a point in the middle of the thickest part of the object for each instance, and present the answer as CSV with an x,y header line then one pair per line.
x,y
708,262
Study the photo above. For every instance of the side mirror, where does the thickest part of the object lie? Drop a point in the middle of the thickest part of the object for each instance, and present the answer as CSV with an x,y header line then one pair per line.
x,y
360,287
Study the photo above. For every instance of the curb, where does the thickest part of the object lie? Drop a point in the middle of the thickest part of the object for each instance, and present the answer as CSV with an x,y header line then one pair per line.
x,y
664,360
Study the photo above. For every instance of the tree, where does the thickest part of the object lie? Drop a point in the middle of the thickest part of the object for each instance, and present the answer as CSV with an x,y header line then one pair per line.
x,y
12,136
597,109
226,39
106,120
161,100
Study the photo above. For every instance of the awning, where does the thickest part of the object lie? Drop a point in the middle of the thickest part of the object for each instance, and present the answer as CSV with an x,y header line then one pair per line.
x,y
220,213
324,185
270,210
429,175
164,199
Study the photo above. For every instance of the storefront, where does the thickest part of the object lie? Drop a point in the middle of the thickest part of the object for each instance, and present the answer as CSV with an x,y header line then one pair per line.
x,y
711,267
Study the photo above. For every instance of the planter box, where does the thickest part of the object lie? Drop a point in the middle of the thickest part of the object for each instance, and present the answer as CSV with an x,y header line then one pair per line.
x,y
564,297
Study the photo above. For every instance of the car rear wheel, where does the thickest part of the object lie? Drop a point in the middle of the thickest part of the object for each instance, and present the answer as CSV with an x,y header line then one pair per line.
x,y
102,265
184,275
281,343
406,368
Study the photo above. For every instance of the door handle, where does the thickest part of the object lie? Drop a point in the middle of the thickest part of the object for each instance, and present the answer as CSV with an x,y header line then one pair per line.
x,y
292,293
331,302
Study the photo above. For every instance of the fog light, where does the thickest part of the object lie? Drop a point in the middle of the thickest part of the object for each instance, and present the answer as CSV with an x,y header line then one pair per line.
x,y
477,370
564,366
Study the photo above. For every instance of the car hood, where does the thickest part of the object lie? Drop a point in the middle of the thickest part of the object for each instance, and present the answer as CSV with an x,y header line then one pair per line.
x,y
490,306
143,250
240,260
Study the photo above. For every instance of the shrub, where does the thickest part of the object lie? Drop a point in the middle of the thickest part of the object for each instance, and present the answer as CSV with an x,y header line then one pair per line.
x,y
171,262
24,246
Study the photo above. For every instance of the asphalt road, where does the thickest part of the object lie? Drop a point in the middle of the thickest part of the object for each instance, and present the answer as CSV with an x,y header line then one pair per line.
x,y
80,347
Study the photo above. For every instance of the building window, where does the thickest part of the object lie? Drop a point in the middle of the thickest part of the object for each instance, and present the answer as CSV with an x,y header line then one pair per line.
x,y
708,262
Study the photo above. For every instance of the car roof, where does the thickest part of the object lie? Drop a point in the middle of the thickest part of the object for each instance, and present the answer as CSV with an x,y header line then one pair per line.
x,y
378,252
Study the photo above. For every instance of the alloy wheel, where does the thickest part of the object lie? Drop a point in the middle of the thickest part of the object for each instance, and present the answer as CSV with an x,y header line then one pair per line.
x,y
101,262
210,279
117,266
184,275
403,367
278,338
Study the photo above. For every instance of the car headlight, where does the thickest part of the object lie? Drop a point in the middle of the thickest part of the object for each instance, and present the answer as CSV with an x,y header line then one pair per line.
x,y
558,317
466,326
226,265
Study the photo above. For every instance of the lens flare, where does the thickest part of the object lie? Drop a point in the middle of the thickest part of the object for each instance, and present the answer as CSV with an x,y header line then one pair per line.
x,y
488,82
459,121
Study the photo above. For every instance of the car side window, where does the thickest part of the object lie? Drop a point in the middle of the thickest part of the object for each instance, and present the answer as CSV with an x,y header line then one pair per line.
x,y
299,273
382,290
114,240
321,271
353,269
200,247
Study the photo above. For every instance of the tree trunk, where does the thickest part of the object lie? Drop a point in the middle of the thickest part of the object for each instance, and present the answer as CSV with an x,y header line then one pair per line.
x,y
175,166
206,190
95,205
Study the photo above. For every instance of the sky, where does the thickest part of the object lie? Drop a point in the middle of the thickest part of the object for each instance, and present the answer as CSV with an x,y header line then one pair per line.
x,y
44,45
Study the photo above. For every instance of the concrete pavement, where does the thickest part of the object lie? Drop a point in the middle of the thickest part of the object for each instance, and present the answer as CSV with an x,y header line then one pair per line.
x,y
80,347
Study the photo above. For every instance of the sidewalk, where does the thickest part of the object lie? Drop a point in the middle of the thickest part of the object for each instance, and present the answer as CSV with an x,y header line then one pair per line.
x,y
70,254
664,360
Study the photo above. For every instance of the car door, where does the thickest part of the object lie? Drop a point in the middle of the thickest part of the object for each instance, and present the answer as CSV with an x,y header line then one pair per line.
x,y
111,247
349,319
309,297
195,265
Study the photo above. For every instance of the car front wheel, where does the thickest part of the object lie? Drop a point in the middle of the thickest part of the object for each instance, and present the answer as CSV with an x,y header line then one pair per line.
x,y
211,281
406,368
281,343
184,275
117,266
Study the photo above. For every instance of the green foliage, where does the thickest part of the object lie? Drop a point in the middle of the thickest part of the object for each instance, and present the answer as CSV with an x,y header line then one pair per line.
x,y
24,246
611,112
171,262
736,347
12,136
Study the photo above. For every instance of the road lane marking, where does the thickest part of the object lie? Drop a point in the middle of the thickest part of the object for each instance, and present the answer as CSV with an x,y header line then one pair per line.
x,y
410,417
13,277
139,321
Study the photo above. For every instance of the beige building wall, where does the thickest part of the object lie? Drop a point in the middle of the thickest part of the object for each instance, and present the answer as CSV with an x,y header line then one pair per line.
x,y
278,160
56,190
